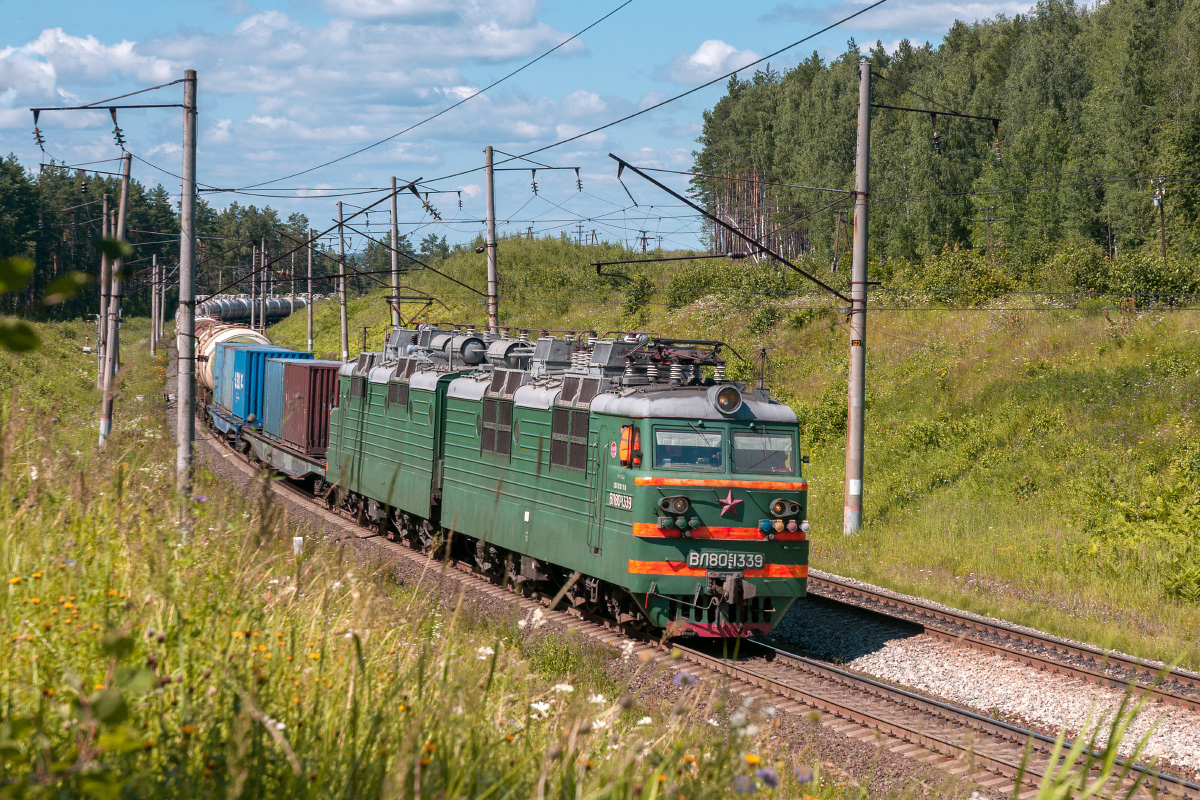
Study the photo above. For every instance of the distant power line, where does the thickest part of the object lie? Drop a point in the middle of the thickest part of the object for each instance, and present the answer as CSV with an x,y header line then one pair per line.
x,y
415,125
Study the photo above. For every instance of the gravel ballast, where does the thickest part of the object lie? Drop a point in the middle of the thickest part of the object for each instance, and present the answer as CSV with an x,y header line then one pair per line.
x,y
897,652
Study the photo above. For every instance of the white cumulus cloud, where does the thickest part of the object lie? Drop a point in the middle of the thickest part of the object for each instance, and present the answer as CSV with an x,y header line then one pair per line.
x,y
582,103
712,59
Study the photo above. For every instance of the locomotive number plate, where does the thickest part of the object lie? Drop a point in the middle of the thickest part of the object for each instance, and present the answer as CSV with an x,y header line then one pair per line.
x,y
725,560
621,501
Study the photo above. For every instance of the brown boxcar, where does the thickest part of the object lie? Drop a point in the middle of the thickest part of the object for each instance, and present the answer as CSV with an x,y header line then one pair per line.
x,y
310,390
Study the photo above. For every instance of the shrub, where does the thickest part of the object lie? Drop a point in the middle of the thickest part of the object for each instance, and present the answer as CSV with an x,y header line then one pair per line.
x,y
697,279
957,276
826,420
1145,276
638,293
762,320
802,318
1154,526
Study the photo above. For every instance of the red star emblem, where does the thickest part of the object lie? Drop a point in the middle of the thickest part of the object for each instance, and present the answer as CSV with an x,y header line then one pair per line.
x,y
728,503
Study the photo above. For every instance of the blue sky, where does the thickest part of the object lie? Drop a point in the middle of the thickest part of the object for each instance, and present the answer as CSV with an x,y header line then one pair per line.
x,y
285,86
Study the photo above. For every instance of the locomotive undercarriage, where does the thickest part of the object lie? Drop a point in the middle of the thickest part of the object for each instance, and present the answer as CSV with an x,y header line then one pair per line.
x,y
708,612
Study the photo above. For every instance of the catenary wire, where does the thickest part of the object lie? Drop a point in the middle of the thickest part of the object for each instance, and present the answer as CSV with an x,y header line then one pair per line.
x,y
448,108
679,96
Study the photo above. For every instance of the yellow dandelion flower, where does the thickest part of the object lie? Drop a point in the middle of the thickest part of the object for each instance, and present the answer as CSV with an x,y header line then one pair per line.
x,y
112,592
752,759
16,580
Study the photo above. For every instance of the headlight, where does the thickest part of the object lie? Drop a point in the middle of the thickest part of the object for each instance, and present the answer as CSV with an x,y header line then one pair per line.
x,y
784,508
728,399
674,505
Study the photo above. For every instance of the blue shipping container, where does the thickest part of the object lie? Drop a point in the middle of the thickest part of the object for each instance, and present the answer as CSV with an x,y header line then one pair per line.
x,y
248,372
222,370
273,405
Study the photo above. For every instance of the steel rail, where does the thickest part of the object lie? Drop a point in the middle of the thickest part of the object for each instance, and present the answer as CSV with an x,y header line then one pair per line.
x,y
1003,731
955,626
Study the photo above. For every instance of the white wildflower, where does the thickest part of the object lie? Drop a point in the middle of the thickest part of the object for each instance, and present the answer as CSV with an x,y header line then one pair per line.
x,y
521,624
644,721
599,724
626,650
562,687
537,619
33,473
713,722
598,699
540,709
483,652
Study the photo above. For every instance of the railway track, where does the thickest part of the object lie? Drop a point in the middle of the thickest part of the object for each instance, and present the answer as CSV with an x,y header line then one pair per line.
x,y
988,752
1034,649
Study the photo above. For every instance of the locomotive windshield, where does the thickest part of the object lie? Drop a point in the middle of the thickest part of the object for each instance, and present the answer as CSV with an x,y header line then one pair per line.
x,y
687,449
763,452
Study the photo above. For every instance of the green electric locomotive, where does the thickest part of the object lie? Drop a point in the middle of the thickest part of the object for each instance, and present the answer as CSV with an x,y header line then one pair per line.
x,y
629,471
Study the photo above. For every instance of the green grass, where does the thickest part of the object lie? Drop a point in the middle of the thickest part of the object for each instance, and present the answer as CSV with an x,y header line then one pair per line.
x,y
139,662
1042,466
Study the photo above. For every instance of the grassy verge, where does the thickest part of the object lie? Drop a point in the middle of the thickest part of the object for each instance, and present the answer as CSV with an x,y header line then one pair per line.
x,y
138,662
1041,465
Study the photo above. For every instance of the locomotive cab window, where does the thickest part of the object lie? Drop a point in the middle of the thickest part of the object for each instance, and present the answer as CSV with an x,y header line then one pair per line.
x,y
631,446
764,452
687,449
